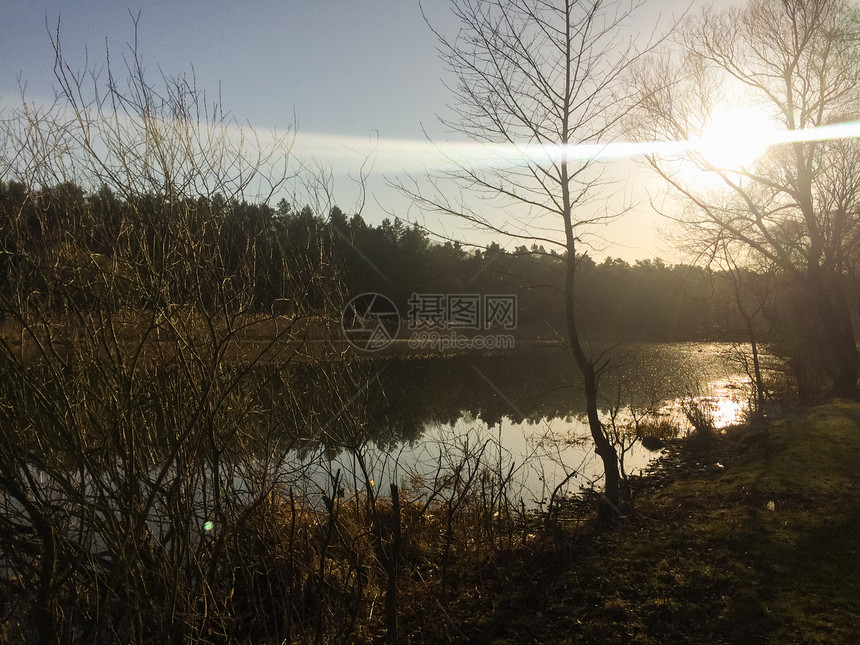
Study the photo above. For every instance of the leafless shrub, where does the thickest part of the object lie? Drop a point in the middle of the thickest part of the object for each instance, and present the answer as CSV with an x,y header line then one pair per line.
x,y
145,426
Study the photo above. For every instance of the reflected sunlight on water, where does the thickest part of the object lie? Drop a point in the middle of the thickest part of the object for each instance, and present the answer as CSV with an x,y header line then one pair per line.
x,y
726,403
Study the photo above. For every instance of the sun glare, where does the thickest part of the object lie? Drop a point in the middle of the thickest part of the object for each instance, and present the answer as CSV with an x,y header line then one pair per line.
x,y
735,138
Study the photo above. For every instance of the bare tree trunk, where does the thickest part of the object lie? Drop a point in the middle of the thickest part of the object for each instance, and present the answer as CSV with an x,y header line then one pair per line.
x,y
602,446
838,340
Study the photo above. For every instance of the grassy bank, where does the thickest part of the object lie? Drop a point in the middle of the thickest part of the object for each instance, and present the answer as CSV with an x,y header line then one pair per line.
x,y
762,544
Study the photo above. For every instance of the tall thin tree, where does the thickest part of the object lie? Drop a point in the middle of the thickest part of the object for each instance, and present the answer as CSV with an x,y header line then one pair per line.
x,y
540,83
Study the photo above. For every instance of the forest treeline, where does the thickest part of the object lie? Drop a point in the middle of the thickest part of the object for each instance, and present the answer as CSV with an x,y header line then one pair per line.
x,y
646,301
285,245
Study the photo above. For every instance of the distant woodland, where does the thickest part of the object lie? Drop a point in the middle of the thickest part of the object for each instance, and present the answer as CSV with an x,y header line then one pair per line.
x,y
646,301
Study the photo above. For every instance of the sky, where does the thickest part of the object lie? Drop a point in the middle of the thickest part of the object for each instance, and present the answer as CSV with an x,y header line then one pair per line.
x,y
351,76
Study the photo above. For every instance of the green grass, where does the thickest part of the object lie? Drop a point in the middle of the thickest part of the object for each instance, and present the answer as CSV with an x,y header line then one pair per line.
x,y
705,560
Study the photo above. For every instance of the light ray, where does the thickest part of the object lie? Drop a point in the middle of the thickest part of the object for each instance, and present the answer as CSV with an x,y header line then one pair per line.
x,y
398,154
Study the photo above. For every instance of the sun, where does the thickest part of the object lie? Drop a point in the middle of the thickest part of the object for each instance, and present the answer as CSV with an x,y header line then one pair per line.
x,y
734,138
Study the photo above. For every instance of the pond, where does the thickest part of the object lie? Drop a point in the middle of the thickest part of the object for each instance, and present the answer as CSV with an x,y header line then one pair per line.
x,y
520,414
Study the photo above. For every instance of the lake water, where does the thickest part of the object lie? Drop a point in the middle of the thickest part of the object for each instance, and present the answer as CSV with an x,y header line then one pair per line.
x,y
521,413
414,421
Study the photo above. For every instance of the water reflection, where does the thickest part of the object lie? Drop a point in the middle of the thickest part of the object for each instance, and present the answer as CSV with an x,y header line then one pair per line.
x,y
727,402
525,409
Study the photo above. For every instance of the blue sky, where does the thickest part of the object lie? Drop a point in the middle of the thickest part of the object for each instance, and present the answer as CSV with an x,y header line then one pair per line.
x,y
343,71
345,67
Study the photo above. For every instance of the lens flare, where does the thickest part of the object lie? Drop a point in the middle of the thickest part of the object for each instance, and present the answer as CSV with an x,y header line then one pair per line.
x,y
731,140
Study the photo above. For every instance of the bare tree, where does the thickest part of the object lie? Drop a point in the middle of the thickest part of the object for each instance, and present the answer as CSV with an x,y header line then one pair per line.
x,y
794,208
535,79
